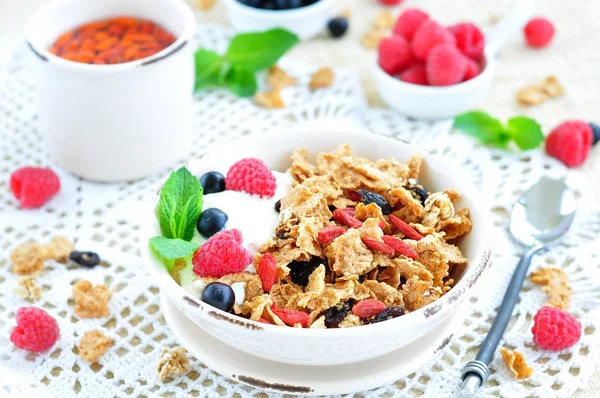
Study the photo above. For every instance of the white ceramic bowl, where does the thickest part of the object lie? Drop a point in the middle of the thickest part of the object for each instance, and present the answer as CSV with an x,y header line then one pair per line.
x,y
328,346
138,114
306,22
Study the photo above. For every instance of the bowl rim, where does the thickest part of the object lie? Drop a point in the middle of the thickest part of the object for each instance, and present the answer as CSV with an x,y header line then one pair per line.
x,y
183,39
275,14
451,299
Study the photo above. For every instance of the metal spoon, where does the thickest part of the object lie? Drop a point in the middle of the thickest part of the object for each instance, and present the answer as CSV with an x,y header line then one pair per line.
x,y
541,216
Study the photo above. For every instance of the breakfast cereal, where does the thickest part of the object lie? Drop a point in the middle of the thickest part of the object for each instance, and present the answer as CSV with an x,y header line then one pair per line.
x,y
322,78
173,363
93,345
91,301
58,249
515,361
270,99
28,289
278,78
27,259
555,283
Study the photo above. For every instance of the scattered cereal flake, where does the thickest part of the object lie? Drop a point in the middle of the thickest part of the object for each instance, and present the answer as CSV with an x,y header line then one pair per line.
x,y
28,289
452,194
91,301
302,202
93,345
532,95
180,265
556,284
393,168
301,168
173,363
552,87
389,295
58,249
437,255
418,293
515,361
206,4
385,20
27,259
319,323
270,99
322,78
278,78
350,321
372,37
316,280
348,255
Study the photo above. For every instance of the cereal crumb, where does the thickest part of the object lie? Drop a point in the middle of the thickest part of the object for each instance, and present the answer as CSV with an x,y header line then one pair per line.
x,y
90,301
278,78
552,87
58,249
206,4
532,95
93,345
556,284
27,259
322,78
173,363
515,362
28,289
385,20
372,38
270,99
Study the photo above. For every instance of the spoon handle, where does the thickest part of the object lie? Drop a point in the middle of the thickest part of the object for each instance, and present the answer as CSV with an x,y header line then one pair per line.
x,y
479,367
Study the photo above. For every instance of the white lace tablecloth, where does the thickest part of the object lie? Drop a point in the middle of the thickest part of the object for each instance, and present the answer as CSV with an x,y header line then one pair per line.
x,y
104,218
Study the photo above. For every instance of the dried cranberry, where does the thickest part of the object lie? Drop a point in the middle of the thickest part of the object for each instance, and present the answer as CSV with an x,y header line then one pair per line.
x,y
301,270
335,315
389,313
372,197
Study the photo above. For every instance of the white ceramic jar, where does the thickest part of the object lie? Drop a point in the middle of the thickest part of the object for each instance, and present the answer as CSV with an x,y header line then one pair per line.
x,y
115,122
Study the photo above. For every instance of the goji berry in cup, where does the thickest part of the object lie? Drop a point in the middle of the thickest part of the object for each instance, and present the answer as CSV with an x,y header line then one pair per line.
x,y
112,41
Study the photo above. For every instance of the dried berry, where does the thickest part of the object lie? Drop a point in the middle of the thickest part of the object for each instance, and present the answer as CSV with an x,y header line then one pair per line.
x,y
400,247
335,315
291,317
301,270
328,234
404,228
368,308
371,197
86,259
417,190
389,313
342,216
376,245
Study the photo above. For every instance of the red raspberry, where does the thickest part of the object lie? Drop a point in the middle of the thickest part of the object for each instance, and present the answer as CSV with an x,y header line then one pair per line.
x,y
251,175
538,32
394,54
36,331
343,217
400,247
554,329
409,21
390,2
267,271
376,245
328,234
415,75
570,142
34,186
222,254
429,35
291,317
469,40
368,308
404,228
445,66
472,70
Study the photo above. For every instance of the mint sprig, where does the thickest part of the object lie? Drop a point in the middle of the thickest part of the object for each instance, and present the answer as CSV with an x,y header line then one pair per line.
x,y
180,205
525,132
247,54
172,249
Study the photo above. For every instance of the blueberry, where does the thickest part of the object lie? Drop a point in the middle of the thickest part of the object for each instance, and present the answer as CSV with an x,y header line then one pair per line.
x,y
371,197
596,130
278,206
211,221
338,26
219,295
212,182
86,259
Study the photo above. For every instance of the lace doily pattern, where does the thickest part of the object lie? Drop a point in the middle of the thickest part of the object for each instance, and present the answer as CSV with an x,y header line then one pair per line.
x,y
103,218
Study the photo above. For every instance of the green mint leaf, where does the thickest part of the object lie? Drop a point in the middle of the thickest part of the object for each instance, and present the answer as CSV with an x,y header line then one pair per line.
x,y
241,81
180,205
208,68
482,126
172,249
258,51
526,132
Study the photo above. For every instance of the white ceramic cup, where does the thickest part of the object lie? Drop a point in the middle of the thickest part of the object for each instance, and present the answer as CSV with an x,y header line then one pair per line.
x,y
429,102
306,22
115,122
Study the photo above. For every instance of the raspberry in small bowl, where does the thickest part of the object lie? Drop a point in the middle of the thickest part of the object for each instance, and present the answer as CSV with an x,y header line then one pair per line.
x,y
305,18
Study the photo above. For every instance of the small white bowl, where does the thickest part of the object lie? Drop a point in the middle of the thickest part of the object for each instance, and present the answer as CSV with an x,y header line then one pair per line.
x,y
329,346
115,122
306,22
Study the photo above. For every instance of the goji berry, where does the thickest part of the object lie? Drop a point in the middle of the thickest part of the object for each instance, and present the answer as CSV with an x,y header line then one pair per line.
x,y
343,217
349,210
400,247
291,317
406,229
328,234
368,308
267,271
263,320
374,244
